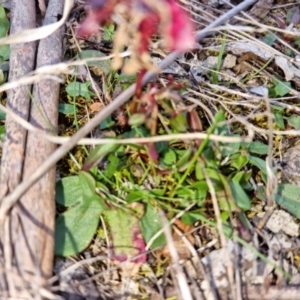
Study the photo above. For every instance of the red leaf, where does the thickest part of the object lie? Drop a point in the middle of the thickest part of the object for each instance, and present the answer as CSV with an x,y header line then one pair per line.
x,y
153,152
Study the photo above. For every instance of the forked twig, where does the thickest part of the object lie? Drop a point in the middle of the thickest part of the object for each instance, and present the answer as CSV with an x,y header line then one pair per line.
x,y
12,198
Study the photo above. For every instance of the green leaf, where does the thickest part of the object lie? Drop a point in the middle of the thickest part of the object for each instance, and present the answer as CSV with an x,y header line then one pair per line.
x,y
279,120
241,198
277,108
258,162
68,191
76,88
112,166
269,39
97,154
282,87
238,176
230,148
106,123
4,22
134,196
183,157
4,52
198,171
88,185
137,119
67,109
189,218
288,196
161,146
104,65
258,148
294,121
75,228
238,161
2,115
169,157
150,225
179,123
108,32
125,231
2,12
2,132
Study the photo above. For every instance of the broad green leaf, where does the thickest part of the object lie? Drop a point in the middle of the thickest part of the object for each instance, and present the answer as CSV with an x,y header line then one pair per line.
x,y
4,22
76,88
258,148
125,231
216,177
150,225
2,12
75,228
105,65
241,198
189,218
161,146
238,161
279,120
112,166
288,196
179,123
282,87
238,176
278,108
169,157
269,39
88,185
230,148
294,121
258,162
66,109
4,52
68,191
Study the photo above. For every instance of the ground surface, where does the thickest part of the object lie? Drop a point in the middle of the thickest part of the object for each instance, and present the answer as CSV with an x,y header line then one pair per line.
x,y
232,198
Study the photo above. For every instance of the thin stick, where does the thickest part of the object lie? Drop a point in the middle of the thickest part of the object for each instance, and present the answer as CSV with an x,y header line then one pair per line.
x,y
13,197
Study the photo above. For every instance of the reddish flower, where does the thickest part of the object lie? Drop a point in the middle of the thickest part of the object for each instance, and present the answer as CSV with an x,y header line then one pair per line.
x,y
179,32
173,21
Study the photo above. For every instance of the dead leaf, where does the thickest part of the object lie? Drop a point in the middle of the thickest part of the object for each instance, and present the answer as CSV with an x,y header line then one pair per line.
x,y
96,107
180,245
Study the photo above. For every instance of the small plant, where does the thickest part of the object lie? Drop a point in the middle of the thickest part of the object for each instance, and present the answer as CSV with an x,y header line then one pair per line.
x,y
108,32
176,171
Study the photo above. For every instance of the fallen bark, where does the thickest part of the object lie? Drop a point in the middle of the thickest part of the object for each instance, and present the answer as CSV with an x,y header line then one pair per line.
x,y
30,225
22,61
